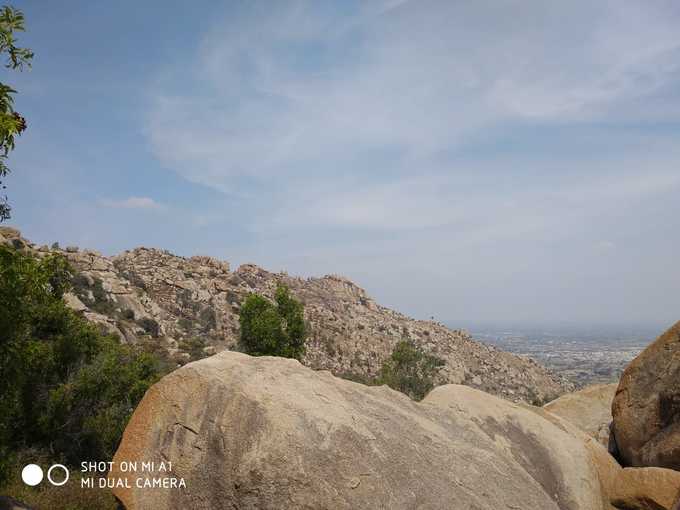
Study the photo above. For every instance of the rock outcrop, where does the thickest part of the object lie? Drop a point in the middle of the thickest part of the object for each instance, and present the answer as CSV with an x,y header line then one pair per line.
x,y
646,489
590,409
262,433
189,308
646,408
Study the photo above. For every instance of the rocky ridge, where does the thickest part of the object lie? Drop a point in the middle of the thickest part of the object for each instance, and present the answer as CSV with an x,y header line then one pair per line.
x,y
189,308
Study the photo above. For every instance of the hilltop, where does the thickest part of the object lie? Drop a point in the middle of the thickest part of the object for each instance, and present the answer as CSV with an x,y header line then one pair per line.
x,y
188,307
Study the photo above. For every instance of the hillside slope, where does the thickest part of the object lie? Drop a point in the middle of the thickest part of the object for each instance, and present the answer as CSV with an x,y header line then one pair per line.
x,y
189,307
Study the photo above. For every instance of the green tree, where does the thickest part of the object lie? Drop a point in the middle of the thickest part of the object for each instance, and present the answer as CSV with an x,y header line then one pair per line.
x,y
11,123
66,388
273,329
410,370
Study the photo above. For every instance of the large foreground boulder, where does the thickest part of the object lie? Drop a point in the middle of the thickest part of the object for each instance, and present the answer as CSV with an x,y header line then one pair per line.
x,y
646,408
243,432
590,410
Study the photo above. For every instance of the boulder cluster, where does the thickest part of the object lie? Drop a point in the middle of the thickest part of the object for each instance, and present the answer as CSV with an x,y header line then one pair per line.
x,y
269,433
638,421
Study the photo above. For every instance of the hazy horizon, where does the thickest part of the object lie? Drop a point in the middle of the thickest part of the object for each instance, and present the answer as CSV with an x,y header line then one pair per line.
x,y
471,161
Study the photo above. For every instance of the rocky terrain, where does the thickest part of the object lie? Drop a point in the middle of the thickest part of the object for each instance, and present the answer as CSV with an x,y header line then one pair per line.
x,y
189,308
268,433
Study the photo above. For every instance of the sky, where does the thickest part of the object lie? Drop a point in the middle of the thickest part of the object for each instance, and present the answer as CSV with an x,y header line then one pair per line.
x,y
464,160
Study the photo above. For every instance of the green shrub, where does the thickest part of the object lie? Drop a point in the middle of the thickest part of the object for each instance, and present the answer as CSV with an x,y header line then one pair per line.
x,y
93,405
410,370
358,377
184,323
66,388
150,326
194,347
273,329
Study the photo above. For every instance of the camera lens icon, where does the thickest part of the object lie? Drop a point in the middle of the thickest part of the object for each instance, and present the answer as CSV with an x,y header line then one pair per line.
x,y
32,475
66,475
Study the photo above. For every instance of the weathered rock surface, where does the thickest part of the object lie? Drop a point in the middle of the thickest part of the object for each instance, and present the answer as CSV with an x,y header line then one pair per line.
x,y
189,307
629,488
646,408
646,489
590,409
267,432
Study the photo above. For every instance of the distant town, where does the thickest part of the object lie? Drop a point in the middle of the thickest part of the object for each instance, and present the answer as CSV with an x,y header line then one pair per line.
x,y
584,355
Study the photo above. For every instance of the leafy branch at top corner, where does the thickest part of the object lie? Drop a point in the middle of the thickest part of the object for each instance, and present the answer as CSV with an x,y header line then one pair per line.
x,y
11,123
12,21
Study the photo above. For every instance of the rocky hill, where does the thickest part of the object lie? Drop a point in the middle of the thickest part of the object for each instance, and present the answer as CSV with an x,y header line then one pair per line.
x,y
189,308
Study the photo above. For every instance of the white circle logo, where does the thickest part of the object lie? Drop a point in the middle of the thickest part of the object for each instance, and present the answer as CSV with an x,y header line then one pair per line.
x,y
49,475
32,474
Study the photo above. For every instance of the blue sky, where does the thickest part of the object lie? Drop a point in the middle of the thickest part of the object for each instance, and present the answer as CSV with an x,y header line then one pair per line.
x,y
471,161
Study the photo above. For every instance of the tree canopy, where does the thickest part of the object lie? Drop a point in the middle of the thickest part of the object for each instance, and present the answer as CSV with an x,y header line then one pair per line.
x,y
66,388
11,123
410,370
273,329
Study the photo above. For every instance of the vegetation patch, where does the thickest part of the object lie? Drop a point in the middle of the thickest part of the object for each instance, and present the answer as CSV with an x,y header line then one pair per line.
x,y
67,389
273,328
150,326
410,370
194,347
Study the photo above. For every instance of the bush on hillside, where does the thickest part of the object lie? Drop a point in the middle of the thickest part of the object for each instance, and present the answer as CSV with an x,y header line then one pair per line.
x,y
150,326
66,388
410,370
273,329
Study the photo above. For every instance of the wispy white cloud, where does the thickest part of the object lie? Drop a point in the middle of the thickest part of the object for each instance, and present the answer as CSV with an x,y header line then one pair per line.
x,y
466,139
283,92
133,203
